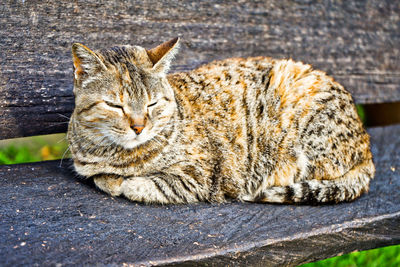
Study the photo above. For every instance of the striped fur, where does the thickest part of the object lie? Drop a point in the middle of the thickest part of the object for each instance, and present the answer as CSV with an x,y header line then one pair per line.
x,y
254,129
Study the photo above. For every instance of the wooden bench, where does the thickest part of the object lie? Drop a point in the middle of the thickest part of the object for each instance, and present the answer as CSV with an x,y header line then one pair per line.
x,y
49,217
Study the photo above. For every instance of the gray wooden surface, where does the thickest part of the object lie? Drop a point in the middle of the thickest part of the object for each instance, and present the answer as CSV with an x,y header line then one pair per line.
x,y
357,42
49,217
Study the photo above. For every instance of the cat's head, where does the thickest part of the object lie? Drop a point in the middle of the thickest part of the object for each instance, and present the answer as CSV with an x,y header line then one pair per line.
x,y
122,95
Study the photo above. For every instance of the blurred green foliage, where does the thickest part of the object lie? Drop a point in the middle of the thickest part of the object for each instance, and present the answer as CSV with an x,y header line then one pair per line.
x,y
12,154
37,148
361,113
380,257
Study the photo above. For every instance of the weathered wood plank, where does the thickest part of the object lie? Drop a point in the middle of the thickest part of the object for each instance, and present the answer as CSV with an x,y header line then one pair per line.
x,y
48,216
358,42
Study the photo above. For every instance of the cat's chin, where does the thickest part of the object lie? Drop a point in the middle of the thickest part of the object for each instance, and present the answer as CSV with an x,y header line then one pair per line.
x,y
131,144
135,142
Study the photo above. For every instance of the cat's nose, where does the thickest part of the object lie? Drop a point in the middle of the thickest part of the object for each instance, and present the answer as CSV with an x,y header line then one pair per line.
x,y
138,128
138,124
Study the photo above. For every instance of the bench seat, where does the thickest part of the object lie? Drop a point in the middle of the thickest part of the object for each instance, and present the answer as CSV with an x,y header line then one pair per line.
x,y
50,217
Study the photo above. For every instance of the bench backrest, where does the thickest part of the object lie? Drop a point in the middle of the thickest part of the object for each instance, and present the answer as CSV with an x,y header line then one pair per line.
x,y
357,42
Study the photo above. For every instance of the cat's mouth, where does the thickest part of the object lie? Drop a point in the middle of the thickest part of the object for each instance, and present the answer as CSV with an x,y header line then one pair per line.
x,y
133,140
130,139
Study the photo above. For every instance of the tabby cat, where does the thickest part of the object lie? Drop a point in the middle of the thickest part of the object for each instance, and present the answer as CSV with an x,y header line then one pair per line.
x,y
252,129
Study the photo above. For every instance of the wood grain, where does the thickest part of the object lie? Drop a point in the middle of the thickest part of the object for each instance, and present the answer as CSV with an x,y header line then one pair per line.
x,y
49,217
357,42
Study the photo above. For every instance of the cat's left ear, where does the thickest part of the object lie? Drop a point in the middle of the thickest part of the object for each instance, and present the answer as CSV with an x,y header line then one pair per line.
x,y
162,55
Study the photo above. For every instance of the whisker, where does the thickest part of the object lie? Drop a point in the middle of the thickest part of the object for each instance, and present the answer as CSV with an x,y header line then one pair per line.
x,y
62,115
62,158
81,149
62,139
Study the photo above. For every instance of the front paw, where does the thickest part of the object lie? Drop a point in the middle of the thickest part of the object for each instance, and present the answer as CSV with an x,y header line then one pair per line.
x,y
109,184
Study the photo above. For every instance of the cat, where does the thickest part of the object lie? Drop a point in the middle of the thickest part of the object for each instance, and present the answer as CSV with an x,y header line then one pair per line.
x,y
251,129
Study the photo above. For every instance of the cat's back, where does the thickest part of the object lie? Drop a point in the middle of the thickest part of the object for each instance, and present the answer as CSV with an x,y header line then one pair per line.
x,y
258,86
218,89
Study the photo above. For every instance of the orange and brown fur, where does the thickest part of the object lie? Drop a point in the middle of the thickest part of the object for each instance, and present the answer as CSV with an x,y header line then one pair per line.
x,y
253,129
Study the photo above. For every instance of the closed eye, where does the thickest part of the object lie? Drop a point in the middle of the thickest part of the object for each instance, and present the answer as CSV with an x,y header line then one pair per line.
x,y
152,104
113,105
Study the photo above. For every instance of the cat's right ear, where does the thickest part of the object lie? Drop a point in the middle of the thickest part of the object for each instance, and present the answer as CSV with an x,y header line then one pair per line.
x,y
86,62
162,55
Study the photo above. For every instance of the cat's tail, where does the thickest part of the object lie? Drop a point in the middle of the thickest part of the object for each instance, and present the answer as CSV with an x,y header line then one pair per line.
x,y
347,188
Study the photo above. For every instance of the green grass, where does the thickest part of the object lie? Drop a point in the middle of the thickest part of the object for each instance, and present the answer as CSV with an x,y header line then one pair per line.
x,y
13,154
37,148
361,113
380,257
